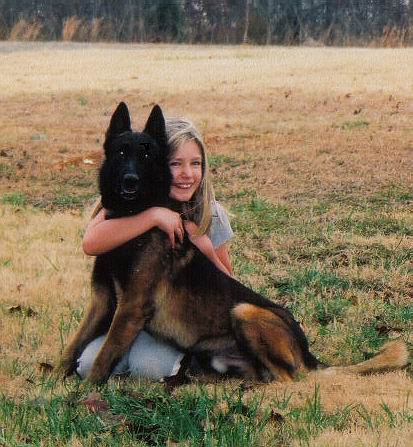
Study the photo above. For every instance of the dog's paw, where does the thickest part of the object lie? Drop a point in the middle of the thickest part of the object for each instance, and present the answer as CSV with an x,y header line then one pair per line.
x,y
98,376
67,367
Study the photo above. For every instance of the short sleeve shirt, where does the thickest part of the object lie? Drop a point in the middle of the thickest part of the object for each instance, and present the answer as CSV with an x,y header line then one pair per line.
x,y
220,230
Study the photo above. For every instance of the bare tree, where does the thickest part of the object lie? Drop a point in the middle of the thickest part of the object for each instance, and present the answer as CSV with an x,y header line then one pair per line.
x,y
247,21
334,22
270,21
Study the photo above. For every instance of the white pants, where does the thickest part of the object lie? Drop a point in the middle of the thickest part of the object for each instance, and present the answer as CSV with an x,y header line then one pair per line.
x,y
147,357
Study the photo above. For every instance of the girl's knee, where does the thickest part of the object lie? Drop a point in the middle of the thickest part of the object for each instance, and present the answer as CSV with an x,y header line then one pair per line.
x,y
86,360
153,359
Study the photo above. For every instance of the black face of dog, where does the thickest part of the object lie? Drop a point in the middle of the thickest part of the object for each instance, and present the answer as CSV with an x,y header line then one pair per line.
x,y
135,173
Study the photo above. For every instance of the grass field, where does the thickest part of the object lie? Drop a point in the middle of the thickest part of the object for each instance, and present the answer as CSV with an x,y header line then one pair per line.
x,y
311,152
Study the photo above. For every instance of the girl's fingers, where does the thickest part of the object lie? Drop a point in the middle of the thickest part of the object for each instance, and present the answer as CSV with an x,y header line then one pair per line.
x,y
171,236
180,233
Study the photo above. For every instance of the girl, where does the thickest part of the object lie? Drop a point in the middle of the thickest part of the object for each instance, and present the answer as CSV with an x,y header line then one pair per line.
x,y
208,228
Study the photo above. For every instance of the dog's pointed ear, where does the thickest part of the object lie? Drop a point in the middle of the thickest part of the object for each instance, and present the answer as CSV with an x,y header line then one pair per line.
x,y
155,126
120,121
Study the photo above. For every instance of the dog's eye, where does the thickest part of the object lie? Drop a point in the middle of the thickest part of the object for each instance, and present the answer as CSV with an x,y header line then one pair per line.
x,y
122,153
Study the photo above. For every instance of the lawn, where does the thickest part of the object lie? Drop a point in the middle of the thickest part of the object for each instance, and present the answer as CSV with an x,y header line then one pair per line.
x,y
311,153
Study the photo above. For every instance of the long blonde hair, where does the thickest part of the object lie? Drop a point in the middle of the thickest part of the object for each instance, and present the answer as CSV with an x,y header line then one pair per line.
x,y
179,131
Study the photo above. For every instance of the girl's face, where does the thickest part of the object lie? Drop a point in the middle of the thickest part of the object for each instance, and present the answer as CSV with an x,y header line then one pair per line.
x,y
186,170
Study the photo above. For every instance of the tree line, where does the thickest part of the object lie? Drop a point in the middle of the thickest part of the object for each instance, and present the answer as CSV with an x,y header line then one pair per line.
x,y
291,22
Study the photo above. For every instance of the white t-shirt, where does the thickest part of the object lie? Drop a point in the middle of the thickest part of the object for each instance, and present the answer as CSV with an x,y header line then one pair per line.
x,y
220,230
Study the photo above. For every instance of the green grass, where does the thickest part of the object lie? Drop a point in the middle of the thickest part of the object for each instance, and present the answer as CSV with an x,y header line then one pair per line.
x,y
64,200
14,199
354,125
149,416
260,217
371,225
135,416
218,161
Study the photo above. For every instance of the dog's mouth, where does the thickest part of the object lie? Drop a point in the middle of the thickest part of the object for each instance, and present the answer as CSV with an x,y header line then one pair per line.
x,y
129,194
129,186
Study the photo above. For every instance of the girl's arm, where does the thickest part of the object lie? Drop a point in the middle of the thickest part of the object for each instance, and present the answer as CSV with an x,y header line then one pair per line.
x,y
219,256
104,235
223,255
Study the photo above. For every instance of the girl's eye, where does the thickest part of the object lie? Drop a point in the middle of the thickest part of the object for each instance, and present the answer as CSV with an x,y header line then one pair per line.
x,y
197,163
174,163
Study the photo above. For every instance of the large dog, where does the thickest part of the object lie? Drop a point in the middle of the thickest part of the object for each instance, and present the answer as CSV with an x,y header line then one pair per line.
x,y
177,294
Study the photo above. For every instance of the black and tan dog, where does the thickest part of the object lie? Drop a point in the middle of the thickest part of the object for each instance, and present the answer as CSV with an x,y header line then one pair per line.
x,y
178,295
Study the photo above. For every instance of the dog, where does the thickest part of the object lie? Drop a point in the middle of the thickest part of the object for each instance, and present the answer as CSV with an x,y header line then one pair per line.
x,y
177,294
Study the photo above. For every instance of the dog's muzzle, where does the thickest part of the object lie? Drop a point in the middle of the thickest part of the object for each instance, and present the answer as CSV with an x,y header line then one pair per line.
x,y
129,187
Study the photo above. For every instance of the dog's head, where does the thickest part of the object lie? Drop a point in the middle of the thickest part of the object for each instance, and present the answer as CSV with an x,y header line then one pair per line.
x,y
134,174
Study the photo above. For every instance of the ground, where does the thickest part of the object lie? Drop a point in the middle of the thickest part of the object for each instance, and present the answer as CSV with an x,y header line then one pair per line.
x,y
311,153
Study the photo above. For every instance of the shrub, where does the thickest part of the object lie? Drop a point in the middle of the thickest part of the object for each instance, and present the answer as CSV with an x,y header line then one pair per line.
x,y
25,30
75,29
102,30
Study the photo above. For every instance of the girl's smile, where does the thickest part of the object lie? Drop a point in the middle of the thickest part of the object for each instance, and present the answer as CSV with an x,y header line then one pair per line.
x,y
186,170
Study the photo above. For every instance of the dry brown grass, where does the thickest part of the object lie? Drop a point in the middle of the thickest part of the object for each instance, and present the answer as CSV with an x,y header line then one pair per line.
x,y
389,437
232,72
28,31
102,30
394,37
299,126
295,106
76,29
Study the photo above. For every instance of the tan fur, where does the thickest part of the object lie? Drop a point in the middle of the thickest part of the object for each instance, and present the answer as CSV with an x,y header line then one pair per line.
x,y
271,338
272,332
167,319
97,316
393,355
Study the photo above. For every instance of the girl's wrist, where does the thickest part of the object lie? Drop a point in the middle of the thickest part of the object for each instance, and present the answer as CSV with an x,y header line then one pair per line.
x,y
153,216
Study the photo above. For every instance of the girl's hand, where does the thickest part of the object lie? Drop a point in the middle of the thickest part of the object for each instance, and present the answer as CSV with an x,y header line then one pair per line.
x,y
168,221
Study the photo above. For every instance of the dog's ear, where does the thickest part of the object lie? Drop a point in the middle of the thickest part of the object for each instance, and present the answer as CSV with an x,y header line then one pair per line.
x,y
155,126
120,121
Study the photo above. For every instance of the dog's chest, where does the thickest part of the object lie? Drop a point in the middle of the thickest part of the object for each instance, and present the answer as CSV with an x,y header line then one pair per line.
x,y
169,320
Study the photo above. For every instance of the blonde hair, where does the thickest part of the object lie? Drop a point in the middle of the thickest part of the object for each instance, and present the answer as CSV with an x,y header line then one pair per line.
x,y
179,131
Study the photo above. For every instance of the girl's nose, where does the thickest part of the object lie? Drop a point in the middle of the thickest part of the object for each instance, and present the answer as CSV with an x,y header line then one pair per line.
x,y
186,171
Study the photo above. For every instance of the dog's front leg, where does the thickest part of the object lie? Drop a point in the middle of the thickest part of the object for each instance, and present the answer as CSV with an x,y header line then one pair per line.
x,y
96,322
128,321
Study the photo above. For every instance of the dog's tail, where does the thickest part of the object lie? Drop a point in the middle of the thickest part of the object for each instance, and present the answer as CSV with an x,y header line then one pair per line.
x,y
393,355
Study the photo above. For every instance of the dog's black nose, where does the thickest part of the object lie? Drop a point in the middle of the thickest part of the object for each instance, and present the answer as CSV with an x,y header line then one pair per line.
x,y
130,182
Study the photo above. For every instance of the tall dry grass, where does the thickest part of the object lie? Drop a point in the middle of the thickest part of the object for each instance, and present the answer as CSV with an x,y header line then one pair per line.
x,y
28,31
76,29
395,37
102,30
